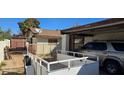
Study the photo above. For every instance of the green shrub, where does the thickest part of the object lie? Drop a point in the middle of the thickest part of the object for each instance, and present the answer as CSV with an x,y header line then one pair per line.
x,y
2,64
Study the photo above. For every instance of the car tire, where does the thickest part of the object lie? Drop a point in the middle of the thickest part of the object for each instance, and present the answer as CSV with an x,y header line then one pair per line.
x,y
112,67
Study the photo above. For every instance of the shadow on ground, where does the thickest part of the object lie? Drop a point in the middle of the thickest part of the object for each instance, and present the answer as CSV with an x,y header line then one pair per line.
x,y
103,72
12,73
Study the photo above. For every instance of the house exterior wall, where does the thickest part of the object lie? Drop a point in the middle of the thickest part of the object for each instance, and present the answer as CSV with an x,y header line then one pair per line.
x,y
105,37
3,44
42,41
65,42
88,39
110,36
45,48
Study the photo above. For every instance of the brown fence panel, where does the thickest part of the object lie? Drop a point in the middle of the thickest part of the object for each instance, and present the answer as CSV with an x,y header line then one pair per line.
x,y
18,43
32,48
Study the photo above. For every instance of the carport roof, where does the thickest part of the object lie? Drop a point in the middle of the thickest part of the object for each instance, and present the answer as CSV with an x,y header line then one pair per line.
x,y
108,24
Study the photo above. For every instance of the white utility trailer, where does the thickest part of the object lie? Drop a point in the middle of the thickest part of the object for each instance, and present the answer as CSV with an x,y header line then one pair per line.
x,y
68,63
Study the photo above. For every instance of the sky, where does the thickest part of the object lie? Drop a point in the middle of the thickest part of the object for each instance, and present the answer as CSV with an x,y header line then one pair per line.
x,y
46,23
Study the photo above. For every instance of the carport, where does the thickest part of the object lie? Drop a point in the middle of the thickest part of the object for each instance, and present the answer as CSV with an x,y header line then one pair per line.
x,y
107,30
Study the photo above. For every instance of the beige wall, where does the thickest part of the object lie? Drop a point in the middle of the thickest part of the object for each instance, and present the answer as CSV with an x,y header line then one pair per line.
x,y
45,48
110,36
106,36
88,39
3,44
65,42
42,41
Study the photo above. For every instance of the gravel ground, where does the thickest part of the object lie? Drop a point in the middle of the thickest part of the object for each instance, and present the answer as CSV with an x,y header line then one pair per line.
x,y
14,66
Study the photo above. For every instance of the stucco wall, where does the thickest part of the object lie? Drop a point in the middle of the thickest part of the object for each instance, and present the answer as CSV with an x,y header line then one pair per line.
x,y
106,36
109,36
88,39
3,44
43,49
65,42
42,41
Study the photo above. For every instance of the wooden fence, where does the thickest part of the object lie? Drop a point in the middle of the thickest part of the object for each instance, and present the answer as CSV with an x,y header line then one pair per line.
x,y
42,49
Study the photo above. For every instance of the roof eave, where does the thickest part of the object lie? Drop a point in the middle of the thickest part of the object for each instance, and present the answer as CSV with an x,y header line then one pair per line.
x,y
67,31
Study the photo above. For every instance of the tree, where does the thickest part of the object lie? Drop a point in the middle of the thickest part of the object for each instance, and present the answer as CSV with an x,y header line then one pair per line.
x,y
1,30
1,34
5,34
28,23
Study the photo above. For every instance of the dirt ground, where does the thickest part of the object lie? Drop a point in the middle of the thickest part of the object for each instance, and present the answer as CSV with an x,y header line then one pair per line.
x,y
14,66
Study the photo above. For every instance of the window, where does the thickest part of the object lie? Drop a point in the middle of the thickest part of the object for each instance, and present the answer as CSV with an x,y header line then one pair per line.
x,y
95,46
118,46
88,46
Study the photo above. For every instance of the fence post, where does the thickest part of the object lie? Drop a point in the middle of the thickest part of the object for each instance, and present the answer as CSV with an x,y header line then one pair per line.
x,y
85,61
56,51
35,62
43,50
50,49
48,67
40,67
74,54
66,53
97,59
69,64
27,47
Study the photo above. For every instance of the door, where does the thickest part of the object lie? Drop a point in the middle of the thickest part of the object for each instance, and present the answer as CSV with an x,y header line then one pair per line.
x,y
75,42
